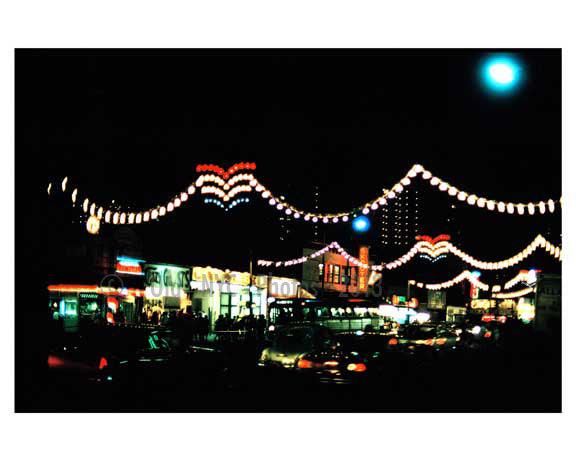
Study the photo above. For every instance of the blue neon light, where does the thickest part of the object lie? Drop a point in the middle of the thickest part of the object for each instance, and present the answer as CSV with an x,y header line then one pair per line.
x,y
129,261
361,224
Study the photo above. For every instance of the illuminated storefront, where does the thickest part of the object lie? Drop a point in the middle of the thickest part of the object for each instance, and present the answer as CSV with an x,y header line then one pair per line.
x,y
223,292
167,288
78,305
333,272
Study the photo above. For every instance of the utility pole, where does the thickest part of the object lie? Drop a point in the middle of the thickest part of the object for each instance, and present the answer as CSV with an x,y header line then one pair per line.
x,y
250,286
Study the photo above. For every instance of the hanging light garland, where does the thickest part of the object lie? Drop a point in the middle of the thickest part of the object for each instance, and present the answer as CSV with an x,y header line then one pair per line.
x,y
226,189
389,194
226,192
496,289
526,276
514,294
464,275
433,251
229,207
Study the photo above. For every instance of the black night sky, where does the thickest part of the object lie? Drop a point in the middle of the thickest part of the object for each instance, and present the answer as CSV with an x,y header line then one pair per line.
x,y
133,125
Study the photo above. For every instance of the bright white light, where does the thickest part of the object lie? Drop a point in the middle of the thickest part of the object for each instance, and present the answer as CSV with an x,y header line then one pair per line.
x,y
422,317
501,73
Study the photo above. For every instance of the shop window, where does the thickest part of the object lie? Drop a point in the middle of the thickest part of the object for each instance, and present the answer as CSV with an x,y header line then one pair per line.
x,y
225,304
336,274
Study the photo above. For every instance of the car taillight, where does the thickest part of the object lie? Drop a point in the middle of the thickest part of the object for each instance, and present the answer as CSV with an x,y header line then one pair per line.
x,y
393,342
356,367
55,362
441,341
487,334
103,363
302,363
429,342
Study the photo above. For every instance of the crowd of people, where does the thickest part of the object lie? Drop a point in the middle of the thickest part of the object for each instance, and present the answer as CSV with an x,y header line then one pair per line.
x,y
196,325
193,325
248,326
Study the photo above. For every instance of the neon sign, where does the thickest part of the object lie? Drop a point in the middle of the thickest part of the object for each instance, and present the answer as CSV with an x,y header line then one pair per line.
x,y
362,270
130,266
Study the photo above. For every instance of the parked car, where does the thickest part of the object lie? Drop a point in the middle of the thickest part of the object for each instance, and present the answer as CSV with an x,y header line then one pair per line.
x,y
133,355
357,358
293,341
428,339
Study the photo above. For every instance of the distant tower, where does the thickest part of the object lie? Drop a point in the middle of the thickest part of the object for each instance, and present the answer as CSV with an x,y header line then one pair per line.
x,y
400,218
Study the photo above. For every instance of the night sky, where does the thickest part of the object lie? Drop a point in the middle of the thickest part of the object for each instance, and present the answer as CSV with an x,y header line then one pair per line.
x,y
133,125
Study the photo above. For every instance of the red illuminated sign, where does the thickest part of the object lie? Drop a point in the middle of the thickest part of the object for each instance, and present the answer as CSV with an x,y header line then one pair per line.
x,y
474,291
440,238
363,272
129,269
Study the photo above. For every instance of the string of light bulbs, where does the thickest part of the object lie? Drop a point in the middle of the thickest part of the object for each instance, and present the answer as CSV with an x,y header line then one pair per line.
x,y
226,192
225,179
464,275
514,294
474,280
522,276
432,250
389,194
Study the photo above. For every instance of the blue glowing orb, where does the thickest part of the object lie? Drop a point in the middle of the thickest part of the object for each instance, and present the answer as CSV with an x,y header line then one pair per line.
x,y
361,224
501,74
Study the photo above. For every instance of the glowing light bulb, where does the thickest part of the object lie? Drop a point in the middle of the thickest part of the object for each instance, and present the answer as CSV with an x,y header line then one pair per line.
x,y
542,207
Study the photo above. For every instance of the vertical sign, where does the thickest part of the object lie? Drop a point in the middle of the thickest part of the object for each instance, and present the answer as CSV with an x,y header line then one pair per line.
x,y
363,279
474,290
